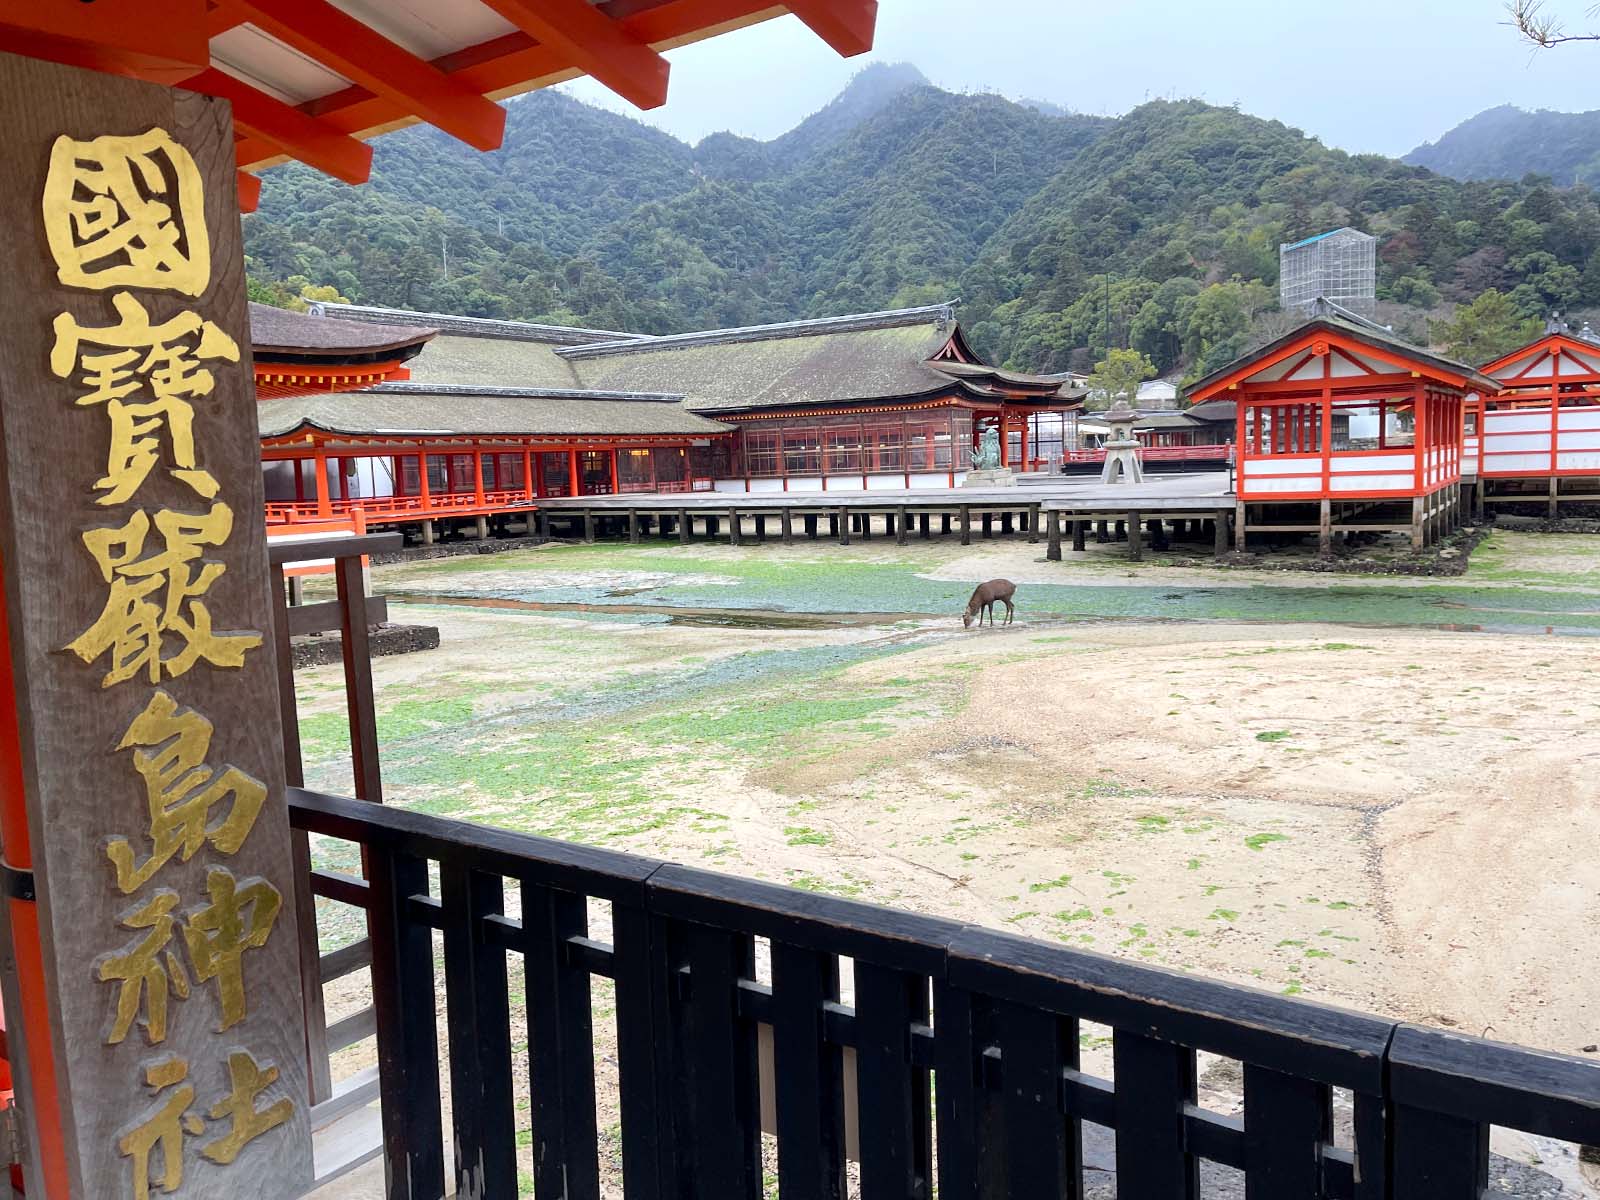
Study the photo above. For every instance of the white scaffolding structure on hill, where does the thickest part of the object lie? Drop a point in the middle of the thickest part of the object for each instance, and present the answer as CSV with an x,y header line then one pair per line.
x,y
1340,265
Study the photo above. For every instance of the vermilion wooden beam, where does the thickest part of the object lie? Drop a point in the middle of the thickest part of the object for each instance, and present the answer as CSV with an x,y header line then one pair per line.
x,y
594,43
846,25
313,142
249,192
339,41
163,41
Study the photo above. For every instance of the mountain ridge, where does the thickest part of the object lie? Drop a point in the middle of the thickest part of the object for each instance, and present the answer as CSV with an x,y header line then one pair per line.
x,y
1507,142
899,193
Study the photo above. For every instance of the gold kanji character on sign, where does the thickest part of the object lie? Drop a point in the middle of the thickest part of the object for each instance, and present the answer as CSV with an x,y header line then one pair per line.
x,y
247,1080
146,382
163,1129
239,918
155,597
127,211
182,791
147,970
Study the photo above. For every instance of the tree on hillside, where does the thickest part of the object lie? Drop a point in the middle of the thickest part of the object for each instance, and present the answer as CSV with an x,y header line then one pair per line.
x,y
1118,375
1490,326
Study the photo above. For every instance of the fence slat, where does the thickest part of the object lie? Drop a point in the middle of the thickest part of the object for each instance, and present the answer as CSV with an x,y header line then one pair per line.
x,y
560,1047
717,1061
1044,1152
1437,1157
1154,1080
479,1019
1372,1147
644,1053
408,1043
808,1076
966,1172
1287,1120
892,1096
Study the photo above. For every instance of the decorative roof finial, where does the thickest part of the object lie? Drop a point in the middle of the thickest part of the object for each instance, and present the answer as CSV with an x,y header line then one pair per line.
x,y
1555,324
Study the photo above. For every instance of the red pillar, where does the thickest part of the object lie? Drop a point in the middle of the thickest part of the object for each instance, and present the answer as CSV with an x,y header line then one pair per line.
x,y
615,490
1026,418
573,484
527,473
422,481
324,504
477,475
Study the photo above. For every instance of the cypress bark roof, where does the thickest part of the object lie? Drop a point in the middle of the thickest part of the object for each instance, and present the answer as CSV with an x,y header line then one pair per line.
x,y
277,333
412,409
515,377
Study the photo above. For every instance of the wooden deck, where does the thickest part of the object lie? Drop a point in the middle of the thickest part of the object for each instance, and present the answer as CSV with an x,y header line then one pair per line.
x,y
1185,503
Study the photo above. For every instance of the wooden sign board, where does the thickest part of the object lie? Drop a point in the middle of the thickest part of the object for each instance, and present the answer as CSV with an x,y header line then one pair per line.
x,y
139,611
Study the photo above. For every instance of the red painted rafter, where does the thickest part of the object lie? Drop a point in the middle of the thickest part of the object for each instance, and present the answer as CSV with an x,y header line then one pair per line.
x,y
594,43
846,25
515,62
359,53
312,141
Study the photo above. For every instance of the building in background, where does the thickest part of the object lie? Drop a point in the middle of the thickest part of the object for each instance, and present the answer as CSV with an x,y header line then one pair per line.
x,y
1340,265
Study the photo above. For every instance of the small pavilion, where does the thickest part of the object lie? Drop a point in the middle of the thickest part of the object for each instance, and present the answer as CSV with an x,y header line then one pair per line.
x,y
1538,437
1342,427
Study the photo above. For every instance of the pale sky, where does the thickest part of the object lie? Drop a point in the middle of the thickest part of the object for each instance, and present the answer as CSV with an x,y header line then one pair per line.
x,y
1363,75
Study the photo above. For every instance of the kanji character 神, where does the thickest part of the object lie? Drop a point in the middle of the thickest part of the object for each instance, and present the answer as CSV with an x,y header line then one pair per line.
x,y
247,1081
146,383
127,211
239,918
157,596
182,791
164,1129
146,971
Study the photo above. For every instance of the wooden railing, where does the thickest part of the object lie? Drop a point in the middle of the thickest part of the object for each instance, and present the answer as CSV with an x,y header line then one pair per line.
x,y
398,508
1218,453
943,1057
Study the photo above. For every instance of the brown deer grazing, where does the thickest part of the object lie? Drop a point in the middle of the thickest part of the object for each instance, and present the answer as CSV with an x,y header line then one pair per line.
x,y
983,600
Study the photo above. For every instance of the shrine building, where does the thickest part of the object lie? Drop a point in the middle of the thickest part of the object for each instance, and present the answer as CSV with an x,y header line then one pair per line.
x,y
1341,427
485,417
1537,440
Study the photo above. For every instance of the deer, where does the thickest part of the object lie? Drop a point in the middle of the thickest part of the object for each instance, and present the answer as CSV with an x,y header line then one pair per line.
x,y
983,600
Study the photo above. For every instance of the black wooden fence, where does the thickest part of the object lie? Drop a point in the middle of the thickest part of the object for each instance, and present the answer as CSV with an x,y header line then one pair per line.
x,y
964,1044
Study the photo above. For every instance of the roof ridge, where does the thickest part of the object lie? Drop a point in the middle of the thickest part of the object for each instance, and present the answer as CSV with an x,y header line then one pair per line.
x,y
416,388
486,327
885,319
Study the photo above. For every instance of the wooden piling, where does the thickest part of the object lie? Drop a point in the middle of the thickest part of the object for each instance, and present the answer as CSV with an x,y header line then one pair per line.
x,y
900,527
1052,551
1135,538
1033,525
966,526
1079,529
787,518
841,522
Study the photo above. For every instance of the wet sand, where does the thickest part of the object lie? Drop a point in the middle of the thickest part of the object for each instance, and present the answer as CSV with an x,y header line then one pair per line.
x,y
1398,820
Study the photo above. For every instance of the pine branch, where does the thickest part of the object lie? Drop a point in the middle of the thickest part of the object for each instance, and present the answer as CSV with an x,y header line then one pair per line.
x,y
1543,30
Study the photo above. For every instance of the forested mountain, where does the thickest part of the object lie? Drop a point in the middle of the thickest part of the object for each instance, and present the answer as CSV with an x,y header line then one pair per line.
x,y
899,193
1508,143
